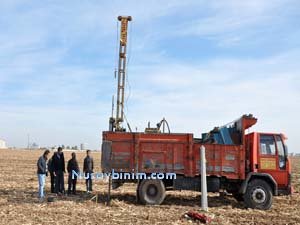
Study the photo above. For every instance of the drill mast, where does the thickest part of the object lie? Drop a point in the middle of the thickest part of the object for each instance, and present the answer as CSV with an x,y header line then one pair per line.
x,y
116,123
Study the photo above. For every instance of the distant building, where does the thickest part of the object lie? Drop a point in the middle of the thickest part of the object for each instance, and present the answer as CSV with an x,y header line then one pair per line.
x,y
82,147
2,144
34,146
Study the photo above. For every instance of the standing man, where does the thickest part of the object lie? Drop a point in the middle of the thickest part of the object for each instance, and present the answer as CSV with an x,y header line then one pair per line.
x,y
41,172
88,167
58,163
52,177
72,166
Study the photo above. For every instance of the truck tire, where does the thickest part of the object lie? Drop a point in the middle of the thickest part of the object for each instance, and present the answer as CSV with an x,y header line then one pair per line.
x,y
138,194
151,192
258,195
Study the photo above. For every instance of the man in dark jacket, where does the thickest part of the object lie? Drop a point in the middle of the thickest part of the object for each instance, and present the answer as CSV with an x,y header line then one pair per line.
x,y
88,167
58,164
41,172
52,177
72,166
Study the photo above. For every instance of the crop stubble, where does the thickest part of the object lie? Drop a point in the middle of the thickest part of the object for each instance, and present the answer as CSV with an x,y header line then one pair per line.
x,y
19,204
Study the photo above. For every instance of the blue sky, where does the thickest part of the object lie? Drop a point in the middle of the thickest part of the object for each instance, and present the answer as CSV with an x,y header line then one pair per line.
x,y
198,63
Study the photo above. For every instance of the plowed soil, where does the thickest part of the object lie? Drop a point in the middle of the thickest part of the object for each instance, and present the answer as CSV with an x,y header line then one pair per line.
x,y
19,203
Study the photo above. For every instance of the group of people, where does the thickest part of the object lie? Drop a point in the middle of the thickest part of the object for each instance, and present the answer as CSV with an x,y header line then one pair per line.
x,y
56,167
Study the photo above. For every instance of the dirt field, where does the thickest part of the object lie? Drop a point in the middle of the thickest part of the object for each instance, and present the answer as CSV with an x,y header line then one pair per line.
x,y
19,204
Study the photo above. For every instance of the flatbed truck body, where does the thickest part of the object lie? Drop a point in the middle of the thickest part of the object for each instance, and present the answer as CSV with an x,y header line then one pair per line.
x,y
234,161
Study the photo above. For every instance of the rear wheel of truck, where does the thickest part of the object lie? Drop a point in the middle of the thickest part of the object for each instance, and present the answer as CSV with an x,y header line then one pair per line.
x,y
258,195
151,192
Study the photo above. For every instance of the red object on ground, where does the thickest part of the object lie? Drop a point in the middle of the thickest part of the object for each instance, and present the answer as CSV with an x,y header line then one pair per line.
x,y
198,216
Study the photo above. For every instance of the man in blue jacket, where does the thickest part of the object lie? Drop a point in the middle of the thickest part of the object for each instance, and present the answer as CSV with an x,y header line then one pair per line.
x,y
41,172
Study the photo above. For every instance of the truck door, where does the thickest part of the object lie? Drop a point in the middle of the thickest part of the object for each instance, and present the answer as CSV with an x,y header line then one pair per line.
x,y
272,158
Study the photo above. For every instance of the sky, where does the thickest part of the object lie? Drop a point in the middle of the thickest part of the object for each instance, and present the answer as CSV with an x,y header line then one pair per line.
x,y
199,64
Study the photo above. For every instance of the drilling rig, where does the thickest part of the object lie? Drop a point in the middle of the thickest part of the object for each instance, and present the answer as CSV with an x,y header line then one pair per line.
x,y
116,123
251,166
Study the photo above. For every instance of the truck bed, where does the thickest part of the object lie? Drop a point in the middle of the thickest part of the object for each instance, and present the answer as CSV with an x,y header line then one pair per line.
x,y
174,153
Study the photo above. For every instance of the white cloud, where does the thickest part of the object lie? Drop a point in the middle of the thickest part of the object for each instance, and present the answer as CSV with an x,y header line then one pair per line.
x,y
195,98
228,23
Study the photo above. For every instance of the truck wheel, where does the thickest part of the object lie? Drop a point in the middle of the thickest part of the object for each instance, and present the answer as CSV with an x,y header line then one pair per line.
x,y
258,195
137,193
152,192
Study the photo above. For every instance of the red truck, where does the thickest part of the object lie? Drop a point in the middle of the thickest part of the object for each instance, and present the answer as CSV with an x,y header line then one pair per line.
x,y
253,167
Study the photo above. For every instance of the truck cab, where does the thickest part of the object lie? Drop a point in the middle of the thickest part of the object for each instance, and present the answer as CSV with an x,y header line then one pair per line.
x,y
267,154
267,171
